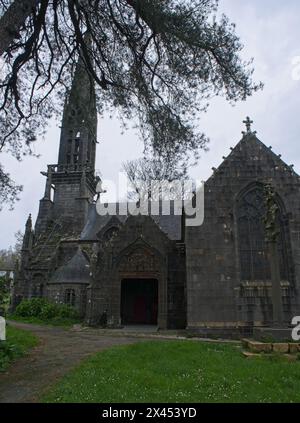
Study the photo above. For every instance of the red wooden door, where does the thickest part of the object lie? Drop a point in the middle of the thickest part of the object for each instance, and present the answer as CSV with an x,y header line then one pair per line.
x,y
140,309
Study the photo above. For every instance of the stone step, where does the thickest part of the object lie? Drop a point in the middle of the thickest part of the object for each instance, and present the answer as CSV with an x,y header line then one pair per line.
x,y
288,357
256,346
270,347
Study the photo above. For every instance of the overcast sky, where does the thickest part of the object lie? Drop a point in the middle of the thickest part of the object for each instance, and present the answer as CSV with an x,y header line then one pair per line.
x,y
269,29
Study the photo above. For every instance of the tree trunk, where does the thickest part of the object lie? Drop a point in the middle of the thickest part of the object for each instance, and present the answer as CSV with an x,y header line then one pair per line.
x,y
13,19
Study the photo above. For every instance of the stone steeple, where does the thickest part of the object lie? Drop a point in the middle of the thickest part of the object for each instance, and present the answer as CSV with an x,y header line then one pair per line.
x,y
79,123
71,183
27,242
27,239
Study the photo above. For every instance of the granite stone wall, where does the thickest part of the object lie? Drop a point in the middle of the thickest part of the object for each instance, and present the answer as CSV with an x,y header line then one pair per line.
x,y
217,298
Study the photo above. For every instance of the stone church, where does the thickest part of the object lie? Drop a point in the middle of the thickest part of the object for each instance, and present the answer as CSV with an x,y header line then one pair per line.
x,y
156,270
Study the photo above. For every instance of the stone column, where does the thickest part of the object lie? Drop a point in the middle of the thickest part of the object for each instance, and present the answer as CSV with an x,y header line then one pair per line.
x,y
278,319
272,234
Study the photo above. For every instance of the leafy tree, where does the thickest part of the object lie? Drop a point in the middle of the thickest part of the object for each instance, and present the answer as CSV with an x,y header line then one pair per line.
x,y
19,242
4,293
147,176
7,259
9,191
157,62
9,256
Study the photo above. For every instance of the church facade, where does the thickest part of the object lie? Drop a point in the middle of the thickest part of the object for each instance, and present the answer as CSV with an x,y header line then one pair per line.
x,y
156,270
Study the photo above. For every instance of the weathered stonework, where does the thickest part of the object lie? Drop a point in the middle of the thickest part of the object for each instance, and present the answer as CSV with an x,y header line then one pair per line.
x,y
217,294
211,279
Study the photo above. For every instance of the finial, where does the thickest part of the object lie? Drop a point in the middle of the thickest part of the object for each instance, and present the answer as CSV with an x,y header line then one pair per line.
x,y
100,190
248,122
29,222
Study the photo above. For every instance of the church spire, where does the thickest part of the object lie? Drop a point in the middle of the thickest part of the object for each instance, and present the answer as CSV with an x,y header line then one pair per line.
x,y
27,239
79,124
29,223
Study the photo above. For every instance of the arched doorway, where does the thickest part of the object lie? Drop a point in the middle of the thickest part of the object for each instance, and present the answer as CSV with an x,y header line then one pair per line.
x,y
139,301
140,292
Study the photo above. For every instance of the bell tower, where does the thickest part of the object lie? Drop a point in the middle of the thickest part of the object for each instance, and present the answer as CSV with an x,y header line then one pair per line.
x,y
71,183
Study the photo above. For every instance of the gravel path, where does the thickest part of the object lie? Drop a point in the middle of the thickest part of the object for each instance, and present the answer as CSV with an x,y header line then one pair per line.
x,y
59,350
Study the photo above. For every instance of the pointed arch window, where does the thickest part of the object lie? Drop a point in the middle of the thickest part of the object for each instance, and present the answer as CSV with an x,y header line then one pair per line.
x,y
70,297
253,249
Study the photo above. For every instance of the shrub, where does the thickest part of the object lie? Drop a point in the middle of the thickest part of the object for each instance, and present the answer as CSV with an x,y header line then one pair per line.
x,y
66,311
45,310
49,311
31,308
4,294
7,353
8,350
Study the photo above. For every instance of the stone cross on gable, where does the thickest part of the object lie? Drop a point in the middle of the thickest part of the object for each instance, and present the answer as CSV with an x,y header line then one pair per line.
x,y
248,122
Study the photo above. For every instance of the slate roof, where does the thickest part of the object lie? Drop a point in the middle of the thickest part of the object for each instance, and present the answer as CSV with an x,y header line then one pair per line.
x,y
75,271
250,149
170,224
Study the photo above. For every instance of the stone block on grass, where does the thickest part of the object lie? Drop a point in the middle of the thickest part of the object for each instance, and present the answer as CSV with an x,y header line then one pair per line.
x,y
294,348
281,348
259,347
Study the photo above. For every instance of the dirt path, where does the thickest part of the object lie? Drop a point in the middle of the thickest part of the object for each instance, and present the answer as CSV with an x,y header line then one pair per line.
x,y
58,351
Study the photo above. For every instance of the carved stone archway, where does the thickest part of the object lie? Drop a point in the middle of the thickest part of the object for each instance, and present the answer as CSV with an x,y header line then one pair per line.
x,y
143,262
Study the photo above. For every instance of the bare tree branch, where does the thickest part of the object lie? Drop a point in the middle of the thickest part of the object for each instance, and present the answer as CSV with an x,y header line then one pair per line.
x,y
156,62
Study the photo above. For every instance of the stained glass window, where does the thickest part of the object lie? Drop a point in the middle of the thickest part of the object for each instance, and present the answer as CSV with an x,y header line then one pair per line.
x,y
253,249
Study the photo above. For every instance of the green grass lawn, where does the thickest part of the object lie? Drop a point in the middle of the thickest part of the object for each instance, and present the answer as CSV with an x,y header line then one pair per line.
x,y
16,345
179,371
55,321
